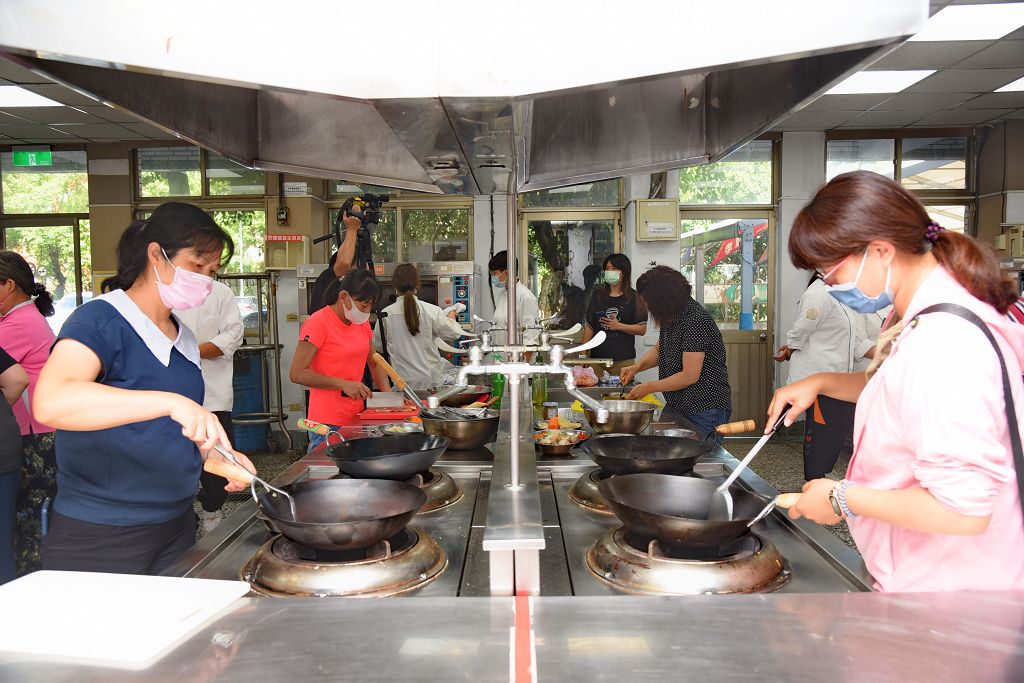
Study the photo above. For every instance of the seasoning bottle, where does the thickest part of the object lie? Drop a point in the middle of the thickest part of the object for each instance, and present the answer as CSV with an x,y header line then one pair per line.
x,y
497,383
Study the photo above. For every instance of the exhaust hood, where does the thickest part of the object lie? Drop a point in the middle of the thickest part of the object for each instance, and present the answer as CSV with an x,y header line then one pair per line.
x,y
458,99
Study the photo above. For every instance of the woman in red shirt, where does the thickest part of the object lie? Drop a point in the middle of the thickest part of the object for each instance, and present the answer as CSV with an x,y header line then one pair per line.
x,y
335,344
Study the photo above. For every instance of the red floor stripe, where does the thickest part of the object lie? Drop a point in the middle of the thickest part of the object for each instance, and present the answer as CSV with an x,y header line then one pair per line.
x,y
524,658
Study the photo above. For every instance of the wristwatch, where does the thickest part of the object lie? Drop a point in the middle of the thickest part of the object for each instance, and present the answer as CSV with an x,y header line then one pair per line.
x,y
833,498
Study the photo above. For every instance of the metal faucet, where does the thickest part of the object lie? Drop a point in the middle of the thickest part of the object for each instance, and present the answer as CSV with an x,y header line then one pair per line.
x,y
515,371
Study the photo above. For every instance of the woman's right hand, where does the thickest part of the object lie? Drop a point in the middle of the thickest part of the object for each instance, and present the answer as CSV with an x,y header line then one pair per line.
x,y
356,390
799,396
627,374
198,424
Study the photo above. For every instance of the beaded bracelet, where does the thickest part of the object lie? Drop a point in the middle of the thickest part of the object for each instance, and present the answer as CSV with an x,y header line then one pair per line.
x,y
843,485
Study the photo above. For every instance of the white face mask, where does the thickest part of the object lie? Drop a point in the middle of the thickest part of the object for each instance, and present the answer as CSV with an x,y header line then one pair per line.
x,y
354,315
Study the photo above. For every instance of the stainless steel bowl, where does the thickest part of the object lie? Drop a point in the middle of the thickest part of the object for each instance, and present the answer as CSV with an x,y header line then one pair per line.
x,y
678,431
465,433
626,417
472,394
560,449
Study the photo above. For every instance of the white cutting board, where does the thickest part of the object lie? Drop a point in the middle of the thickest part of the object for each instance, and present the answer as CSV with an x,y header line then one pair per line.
x,y
118,620
385,399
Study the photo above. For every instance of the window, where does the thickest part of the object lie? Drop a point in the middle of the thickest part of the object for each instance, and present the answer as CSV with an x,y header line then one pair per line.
x,y
726,260
843,156
62,187
345,187
559,251
383,237
743,177
225,177
168,172
597,193
934,163
952,217
248,229
436,235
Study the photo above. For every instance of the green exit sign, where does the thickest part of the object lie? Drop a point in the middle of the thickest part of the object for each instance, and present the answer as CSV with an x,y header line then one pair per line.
x,y
41,157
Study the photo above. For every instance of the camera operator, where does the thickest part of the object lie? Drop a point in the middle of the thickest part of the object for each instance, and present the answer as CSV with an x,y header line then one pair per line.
x,y
340,263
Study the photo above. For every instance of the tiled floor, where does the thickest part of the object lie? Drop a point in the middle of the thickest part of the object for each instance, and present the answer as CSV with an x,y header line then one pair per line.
x,y
780,463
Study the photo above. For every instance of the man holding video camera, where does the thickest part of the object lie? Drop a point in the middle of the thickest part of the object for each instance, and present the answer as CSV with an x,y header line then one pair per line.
x,y
357,215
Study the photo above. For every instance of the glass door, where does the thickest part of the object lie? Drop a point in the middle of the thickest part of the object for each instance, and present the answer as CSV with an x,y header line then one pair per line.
x,y
58,251
727,257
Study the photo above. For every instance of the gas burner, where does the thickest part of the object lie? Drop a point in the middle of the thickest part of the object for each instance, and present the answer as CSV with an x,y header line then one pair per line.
x,y
406,561
440,487
584,491
642,566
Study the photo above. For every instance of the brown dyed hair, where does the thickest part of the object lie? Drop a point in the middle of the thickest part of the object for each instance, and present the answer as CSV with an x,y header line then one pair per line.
x,y
406,280
857,208
664,290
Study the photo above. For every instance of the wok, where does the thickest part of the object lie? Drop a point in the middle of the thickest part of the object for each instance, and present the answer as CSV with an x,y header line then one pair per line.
x,y
625,417
618,454
397,456
674,510
472,394
345,514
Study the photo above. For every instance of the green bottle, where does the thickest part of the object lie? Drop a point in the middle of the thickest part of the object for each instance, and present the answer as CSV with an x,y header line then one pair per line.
x,y
539,390
497,383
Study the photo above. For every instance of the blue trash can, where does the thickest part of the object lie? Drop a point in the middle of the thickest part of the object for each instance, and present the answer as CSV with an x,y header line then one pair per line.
x,y
248,386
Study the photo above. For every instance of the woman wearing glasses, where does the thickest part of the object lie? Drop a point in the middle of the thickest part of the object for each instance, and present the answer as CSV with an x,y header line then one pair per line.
x,y
932,491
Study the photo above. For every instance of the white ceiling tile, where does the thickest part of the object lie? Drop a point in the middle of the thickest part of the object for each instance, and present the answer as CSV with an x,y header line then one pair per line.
x,y
930,55
149,131
815,120
886,119
51,115
846,102
100,131
29,130
16,73
109,113
962,117
966,80
61,94
922,101
1003,54
995,100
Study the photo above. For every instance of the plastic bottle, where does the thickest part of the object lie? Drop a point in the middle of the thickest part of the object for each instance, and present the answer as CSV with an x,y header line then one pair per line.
x,y
497,383
539,391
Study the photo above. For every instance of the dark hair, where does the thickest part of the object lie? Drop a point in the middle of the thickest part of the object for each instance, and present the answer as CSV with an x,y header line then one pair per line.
x,y
619,262
360,284
857,208
14,267
500,262
406,279
174,226
664,290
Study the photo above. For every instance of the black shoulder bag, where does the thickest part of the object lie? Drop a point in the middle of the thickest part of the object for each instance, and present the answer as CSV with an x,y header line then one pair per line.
x,y
1011,412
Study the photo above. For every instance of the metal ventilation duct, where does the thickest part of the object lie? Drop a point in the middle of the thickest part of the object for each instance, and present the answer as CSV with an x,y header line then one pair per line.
x,y
453,134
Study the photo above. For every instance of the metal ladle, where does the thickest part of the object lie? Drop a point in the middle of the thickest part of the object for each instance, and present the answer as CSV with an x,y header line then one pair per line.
x,y
253,479
720,506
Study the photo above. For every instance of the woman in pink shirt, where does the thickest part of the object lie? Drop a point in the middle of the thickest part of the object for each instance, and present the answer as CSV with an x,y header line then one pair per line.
x,y
25,335
932,495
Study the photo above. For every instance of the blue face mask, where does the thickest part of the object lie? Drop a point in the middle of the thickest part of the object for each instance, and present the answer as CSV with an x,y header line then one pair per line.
x,y
848,294
496,283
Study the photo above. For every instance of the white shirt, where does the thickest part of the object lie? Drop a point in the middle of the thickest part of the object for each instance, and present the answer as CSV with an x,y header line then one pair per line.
x,y
527,310
827,336
217,321
416,358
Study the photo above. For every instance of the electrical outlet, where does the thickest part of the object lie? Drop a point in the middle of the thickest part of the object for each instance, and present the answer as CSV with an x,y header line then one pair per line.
x,y
294,407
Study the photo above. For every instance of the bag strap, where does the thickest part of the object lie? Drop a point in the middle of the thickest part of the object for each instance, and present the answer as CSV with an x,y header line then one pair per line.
x,y
1011,411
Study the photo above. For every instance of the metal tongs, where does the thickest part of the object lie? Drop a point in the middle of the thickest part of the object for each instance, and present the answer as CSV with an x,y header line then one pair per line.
x,y
720,506
253,479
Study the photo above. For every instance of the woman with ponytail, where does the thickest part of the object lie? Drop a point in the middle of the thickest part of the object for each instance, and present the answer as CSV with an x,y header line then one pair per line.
x,y
124,389
932,493
410,327
25,335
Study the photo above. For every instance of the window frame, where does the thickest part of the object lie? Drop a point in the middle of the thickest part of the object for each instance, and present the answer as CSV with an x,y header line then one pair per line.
x,y
54,148
204,196
776,182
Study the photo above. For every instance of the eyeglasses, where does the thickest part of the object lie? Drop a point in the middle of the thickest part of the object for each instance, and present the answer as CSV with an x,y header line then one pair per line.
x,y
826,275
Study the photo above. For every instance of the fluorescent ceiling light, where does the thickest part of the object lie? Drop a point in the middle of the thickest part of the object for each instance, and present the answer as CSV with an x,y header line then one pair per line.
x,y
13,96
1016,86
973,22
864,82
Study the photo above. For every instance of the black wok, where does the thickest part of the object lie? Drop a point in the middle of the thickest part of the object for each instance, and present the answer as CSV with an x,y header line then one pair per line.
x,y
626,454
345,514
674,510
388,457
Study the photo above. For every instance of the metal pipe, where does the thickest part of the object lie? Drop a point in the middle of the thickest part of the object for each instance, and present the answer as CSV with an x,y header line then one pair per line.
x,y
514,385
512,282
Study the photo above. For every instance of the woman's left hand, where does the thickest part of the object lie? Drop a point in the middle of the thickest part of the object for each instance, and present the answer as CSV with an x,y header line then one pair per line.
x,y
814,503
639,391
612,324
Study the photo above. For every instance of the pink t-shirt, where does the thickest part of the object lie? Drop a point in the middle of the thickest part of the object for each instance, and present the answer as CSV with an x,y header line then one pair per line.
x,y
25,335
933,416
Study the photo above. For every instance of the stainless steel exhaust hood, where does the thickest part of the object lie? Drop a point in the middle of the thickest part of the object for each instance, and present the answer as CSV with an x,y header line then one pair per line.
x,y
587,96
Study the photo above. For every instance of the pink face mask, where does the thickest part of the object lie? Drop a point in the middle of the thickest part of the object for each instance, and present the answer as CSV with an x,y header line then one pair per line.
x,y
186,290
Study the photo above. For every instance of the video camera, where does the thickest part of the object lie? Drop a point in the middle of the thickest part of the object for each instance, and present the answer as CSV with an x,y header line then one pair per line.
x,y
365,207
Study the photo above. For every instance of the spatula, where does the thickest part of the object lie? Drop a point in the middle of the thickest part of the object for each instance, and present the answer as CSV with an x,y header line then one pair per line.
x,y
720,505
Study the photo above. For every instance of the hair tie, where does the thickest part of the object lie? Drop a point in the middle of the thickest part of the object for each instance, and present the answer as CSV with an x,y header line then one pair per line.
x,y
932,232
